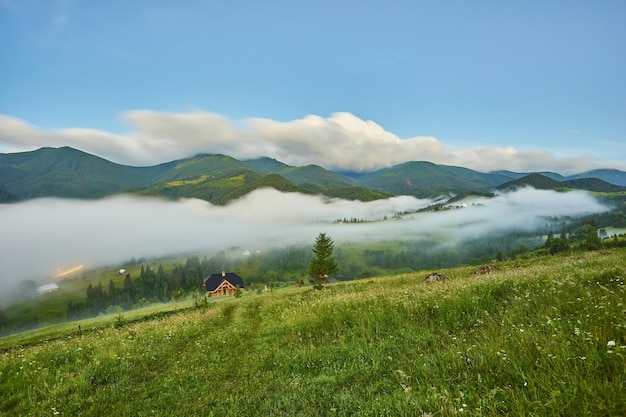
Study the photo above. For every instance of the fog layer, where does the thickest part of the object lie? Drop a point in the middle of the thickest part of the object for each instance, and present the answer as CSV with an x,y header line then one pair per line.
x,y
41,237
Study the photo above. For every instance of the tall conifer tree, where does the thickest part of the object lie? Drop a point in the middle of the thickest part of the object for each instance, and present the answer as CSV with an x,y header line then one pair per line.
x,y
323,265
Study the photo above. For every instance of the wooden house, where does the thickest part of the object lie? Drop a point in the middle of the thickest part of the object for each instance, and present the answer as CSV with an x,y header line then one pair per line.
x,y
225,283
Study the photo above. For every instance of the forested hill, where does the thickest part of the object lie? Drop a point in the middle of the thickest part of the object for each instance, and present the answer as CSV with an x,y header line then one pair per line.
x,y
542,182
537,181
69,173
594,184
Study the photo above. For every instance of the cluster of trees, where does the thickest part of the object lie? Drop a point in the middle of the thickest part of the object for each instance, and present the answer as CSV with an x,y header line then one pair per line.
x,y
586,237
153,285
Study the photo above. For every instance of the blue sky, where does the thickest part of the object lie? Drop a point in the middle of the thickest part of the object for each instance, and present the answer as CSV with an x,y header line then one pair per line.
x,y
355,85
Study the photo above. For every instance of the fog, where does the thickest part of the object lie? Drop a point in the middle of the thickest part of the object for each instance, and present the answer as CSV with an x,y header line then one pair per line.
x,y
43,236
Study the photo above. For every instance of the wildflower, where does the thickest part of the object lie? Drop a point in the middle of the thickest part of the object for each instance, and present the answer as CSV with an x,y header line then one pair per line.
x,y
610,344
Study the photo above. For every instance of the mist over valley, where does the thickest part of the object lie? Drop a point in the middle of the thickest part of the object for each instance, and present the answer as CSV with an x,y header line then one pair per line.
x,y
44,236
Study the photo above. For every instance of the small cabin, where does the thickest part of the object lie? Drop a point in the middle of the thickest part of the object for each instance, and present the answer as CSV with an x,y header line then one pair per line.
x,y
225,283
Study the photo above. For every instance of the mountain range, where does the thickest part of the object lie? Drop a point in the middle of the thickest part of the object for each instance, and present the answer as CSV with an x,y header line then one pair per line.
x,y
70,173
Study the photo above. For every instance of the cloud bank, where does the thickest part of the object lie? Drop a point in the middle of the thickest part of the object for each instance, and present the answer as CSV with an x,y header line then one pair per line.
x,y
40,237
342,142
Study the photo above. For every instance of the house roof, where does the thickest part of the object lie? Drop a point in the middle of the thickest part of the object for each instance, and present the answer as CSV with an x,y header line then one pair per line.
x,y
214,280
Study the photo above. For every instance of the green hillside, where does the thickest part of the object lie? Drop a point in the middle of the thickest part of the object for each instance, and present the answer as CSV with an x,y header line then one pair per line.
x,y
424,179
269,181
314,177
207,187
543,337
267,165
594,184
542,182
612,176
535,180
201,165
70,173
357,193
64,172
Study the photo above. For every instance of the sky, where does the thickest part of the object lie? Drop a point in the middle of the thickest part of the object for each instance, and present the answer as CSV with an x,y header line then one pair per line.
x,y
347,85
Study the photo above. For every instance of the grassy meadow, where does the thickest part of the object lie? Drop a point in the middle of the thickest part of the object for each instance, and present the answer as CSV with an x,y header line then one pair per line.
x,y
540,337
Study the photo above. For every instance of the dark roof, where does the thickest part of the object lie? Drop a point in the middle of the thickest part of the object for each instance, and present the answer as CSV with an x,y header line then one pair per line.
x,y
214,280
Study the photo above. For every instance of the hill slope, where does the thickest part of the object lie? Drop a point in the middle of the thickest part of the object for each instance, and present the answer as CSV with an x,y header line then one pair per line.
x,y
511,342
425,179
64,172
542,182
67,172
594,184
537,181
612,176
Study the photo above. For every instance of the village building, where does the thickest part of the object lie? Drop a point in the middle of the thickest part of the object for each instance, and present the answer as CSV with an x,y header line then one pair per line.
x,y
225,283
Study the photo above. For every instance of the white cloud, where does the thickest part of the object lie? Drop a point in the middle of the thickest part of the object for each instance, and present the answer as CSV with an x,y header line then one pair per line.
x,y
342,141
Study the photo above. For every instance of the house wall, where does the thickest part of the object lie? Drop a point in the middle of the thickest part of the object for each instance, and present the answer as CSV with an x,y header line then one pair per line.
x,y
225,288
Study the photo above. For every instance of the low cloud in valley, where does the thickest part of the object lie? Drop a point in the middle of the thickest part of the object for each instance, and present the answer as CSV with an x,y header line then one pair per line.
x,y
40,237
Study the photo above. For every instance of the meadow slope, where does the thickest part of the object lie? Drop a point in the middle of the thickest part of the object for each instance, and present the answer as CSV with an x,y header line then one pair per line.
x,y
539,337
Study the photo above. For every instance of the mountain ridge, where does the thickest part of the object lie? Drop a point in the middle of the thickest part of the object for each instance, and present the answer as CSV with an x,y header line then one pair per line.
x,y
70,173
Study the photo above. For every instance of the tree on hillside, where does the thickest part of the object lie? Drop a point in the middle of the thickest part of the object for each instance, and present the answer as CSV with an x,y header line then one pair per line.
x,y
323,265
593,241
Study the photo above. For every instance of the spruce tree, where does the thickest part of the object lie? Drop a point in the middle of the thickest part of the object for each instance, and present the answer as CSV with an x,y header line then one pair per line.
x,y
323,265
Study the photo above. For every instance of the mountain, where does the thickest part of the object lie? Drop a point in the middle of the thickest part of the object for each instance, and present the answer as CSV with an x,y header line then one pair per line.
x,y
516,175
535,180
316,178
269,181
64,172
612,176
594,184
425,179
312,177
69,173
210,187
211,166
267,165
543,182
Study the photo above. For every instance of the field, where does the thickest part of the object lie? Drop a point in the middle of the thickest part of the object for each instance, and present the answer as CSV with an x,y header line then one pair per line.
x,y
541,337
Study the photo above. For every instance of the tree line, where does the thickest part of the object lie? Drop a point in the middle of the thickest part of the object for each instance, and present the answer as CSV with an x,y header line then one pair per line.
x,y
152,285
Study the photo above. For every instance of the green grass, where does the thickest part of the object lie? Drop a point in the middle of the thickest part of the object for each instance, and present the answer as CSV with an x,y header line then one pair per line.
x,y
539,337
51,308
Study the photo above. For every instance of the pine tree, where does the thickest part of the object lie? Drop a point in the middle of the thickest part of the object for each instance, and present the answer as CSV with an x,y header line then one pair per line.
x,y
549,241
323,265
